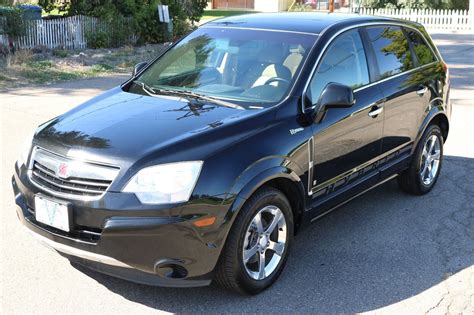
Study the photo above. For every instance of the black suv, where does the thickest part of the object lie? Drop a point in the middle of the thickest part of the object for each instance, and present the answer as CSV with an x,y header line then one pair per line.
x,y
210,158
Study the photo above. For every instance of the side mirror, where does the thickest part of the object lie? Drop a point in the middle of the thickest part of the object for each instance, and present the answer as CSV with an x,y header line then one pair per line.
x,y
138,68
334,95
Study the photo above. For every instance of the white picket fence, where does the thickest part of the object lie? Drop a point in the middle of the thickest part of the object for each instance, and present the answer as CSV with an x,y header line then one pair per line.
x,y
431,19
65,33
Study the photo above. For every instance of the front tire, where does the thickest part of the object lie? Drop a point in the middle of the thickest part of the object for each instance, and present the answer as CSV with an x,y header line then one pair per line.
x,y
258,243
425,167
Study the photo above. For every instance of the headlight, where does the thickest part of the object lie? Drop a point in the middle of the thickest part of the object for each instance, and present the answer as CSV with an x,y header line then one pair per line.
x,y
25,150
165,183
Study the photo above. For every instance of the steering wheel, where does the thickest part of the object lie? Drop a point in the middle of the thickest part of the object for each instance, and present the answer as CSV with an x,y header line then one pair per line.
x,y
276,80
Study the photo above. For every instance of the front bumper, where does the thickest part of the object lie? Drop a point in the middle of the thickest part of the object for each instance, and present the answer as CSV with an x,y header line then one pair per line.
x,y
157,247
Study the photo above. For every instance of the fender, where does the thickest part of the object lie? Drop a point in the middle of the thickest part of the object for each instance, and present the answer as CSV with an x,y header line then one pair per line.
x,y
245,185
270,167
266,169
435,112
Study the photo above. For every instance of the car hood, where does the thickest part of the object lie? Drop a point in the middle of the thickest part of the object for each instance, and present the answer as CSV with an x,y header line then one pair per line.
x,y
118,127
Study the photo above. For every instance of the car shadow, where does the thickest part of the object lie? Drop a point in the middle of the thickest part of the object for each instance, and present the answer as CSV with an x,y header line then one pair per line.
x,y
382,248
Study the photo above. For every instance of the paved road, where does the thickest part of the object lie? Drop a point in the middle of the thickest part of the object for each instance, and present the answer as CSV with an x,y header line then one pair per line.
x,y
385,251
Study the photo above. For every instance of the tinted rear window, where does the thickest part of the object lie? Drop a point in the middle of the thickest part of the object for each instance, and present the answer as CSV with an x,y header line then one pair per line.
x,y
391,49
421,49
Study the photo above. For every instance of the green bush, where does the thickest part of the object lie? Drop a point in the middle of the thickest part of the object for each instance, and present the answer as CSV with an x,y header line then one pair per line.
x,y
12,25
101,67
139,17
98,39
61,53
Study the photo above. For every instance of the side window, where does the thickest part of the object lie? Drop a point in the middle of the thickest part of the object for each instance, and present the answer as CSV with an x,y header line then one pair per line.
x,y
391,49
344,62
421,49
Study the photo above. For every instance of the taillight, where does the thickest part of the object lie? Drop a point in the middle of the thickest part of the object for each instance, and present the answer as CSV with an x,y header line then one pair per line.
x,y
446,70
445,67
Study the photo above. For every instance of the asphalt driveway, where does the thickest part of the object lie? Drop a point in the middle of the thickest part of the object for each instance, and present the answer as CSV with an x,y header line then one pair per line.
x,y
384,252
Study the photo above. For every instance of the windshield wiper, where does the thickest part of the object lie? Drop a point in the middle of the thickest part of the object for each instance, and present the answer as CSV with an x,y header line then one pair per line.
x,y
148,89
154,92
205,97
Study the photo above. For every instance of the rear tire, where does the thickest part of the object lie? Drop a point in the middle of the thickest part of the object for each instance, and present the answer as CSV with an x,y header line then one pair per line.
x,y
425,166
260,236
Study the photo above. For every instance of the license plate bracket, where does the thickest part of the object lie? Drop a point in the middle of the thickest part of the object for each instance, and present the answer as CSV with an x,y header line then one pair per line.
x,y
54,213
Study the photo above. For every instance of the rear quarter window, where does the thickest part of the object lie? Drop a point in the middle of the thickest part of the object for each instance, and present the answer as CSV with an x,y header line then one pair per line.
x,y
423,52
391,49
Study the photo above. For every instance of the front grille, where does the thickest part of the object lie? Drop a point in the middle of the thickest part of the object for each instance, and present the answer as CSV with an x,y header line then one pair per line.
x,y
74,186
82,179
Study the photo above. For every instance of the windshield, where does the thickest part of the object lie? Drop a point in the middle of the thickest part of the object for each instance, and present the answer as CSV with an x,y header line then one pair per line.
x,y
250,68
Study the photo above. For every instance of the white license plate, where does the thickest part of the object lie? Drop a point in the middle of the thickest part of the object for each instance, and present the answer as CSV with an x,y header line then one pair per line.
x,y
52,213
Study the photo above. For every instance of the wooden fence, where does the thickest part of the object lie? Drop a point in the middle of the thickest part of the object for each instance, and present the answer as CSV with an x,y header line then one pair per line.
x,y
64,33
431,19
70,32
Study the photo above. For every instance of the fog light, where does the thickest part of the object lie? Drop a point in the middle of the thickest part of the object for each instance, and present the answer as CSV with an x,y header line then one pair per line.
x,y
170,270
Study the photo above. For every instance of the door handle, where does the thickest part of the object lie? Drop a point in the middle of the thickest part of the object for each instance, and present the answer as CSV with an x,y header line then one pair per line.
x,y
376,110
422,91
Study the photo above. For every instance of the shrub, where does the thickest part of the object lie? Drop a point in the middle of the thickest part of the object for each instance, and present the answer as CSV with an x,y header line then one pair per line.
x,y
101,67
120,31
40,49
98,39
12,25
4,50
128,17
21,56
61,53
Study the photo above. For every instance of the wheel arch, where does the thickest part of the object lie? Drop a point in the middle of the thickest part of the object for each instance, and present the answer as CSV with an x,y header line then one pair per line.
x,y
281,178
435,116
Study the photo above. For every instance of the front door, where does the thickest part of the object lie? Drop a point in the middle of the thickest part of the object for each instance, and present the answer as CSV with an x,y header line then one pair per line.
x,y
346,141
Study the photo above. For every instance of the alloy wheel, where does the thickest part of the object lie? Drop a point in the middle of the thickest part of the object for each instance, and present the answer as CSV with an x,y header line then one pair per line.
x,y
430,159
265,242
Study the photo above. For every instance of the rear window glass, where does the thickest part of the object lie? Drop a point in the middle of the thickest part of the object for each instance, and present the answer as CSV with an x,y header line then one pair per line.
x,y
421,49
391,49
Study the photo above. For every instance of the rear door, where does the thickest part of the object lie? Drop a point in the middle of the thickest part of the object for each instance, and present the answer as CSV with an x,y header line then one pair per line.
x,y
402,85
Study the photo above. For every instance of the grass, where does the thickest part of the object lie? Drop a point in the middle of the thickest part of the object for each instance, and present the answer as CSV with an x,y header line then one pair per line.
x,y
216,14
25,68
44,72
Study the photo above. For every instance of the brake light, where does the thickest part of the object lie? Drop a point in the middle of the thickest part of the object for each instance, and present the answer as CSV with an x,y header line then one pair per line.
x,y
445,66
446,70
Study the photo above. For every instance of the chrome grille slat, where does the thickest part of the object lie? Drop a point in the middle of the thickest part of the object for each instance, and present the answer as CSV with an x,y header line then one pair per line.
x,y
61,185
45,169
83,180
92,183
76,181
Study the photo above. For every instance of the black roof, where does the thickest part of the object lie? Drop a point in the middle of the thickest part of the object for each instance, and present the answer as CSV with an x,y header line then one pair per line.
x,y
306,22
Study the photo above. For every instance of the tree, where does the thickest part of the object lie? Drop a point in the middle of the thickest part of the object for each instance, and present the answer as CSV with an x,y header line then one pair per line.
x,y
141,14
418,4
12,24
